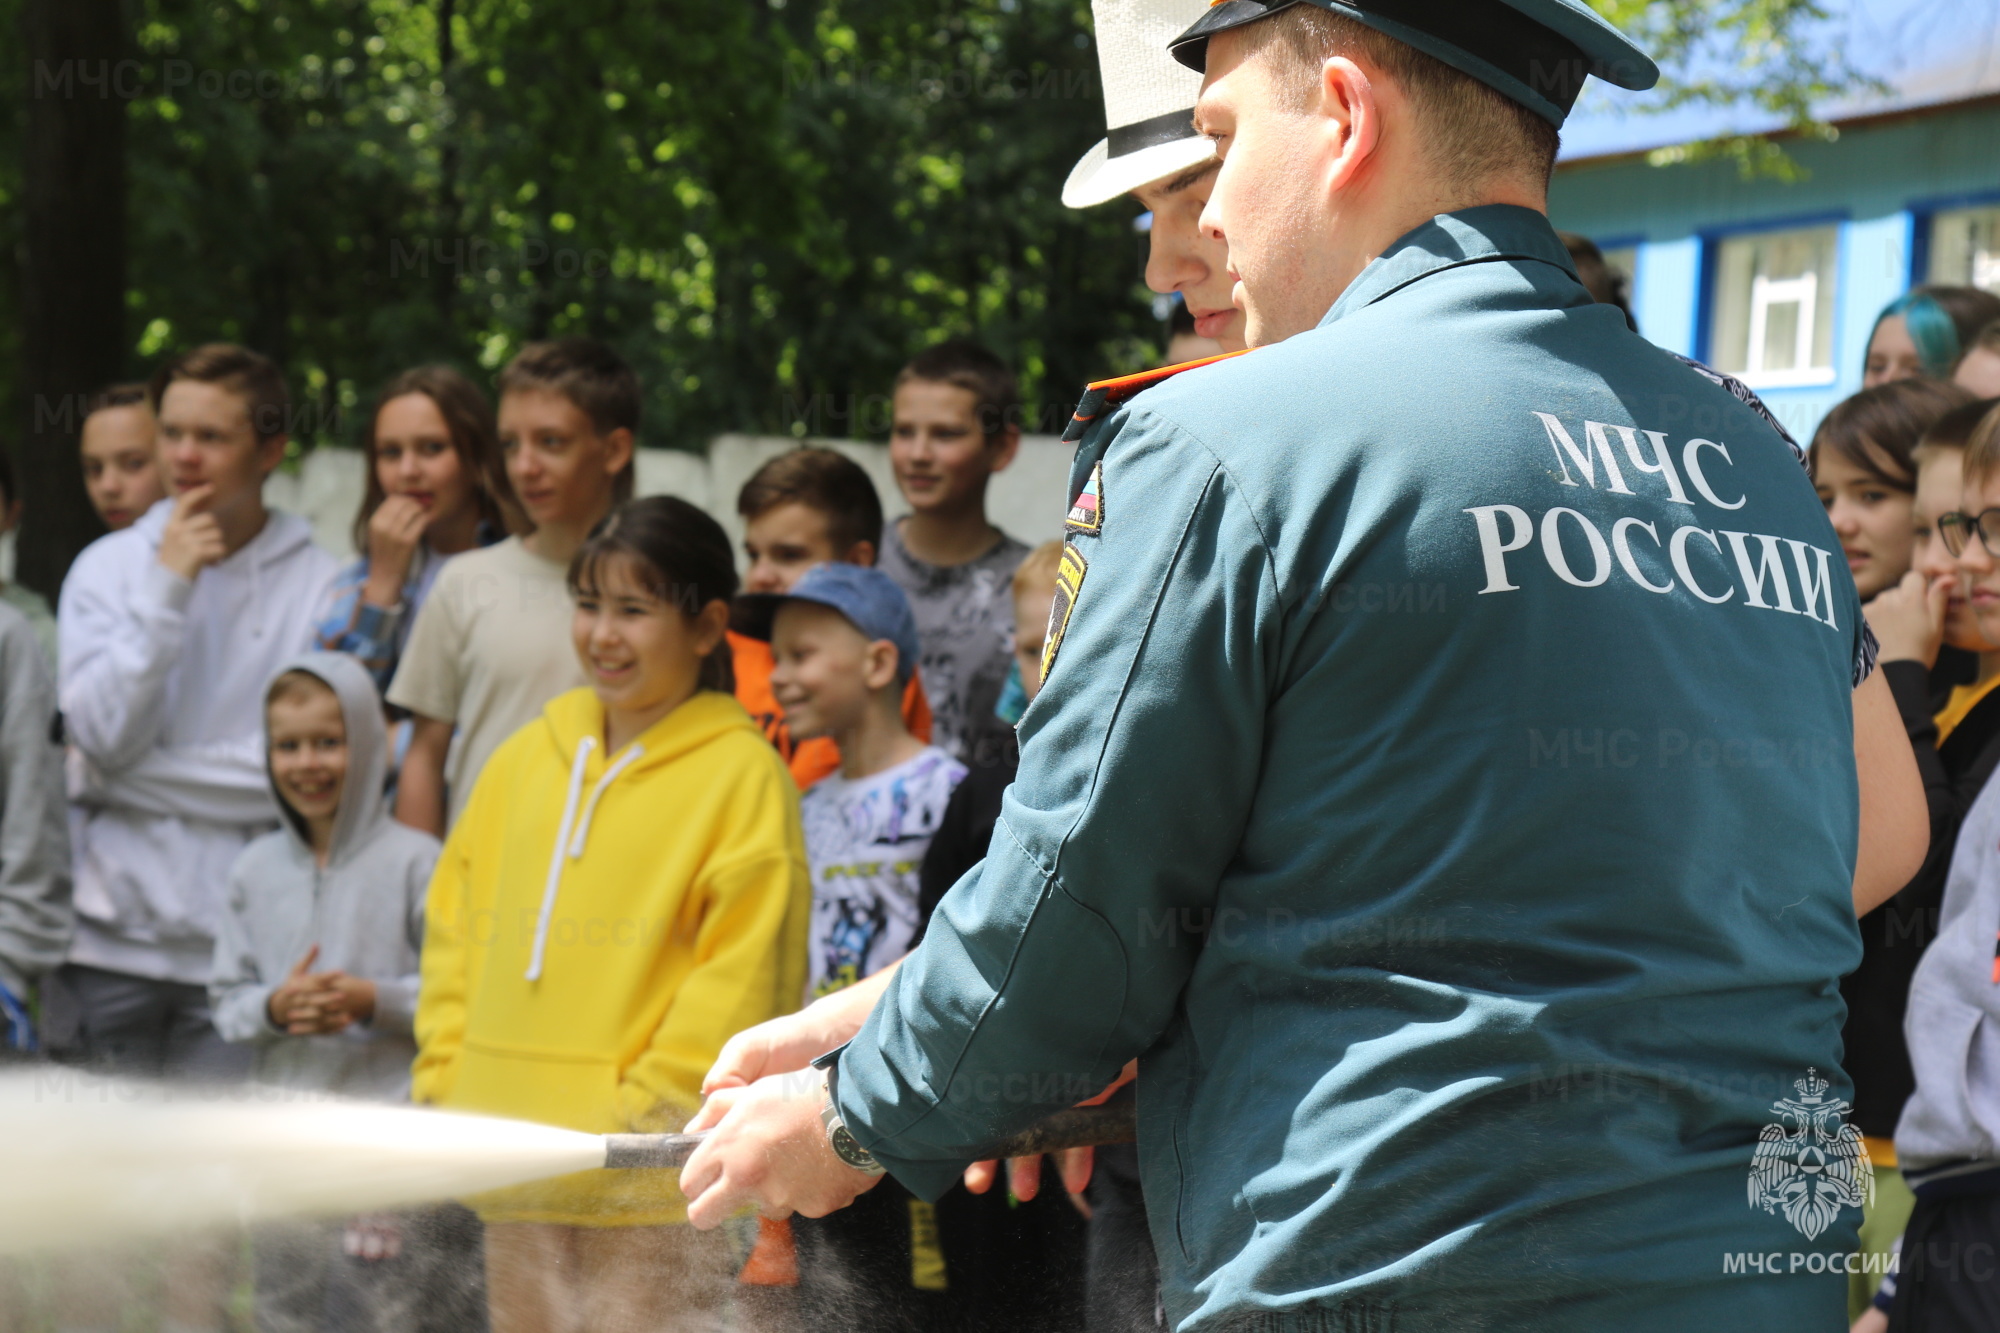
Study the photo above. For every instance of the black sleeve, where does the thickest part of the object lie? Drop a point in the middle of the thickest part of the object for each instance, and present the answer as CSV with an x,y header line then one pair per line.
x,y
962,838
1909,682
1970,753
1894,934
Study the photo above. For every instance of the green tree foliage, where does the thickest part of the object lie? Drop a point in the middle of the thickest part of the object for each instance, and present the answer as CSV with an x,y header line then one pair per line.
x,y
766,209
1769,55
766,205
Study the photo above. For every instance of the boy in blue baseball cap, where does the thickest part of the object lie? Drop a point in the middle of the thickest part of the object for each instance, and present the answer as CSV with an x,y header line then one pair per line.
x,y
844,643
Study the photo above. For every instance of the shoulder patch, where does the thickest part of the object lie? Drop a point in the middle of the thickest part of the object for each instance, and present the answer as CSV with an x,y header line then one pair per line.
x,y
1100,396
1086,513
1069,582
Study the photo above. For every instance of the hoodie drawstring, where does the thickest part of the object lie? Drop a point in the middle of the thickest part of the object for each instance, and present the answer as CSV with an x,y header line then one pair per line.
x,y
583,749
573,847
623,762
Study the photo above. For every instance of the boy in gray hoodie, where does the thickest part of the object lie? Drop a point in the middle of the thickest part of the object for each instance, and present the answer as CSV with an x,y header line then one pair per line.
x,y
1948,1140
316,965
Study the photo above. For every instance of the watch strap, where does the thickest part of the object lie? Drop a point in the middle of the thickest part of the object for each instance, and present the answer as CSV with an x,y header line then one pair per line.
x,y
838,1136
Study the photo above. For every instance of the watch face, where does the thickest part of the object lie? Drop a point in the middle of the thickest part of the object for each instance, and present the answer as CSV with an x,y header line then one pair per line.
x,y
849,1150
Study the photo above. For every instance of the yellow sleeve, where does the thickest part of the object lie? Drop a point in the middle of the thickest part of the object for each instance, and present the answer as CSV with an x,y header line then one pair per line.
x,y
750,959
440,1020
446,963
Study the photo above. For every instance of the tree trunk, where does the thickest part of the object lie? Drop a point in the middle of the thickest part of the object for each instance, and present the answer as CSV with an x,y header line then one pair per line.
x,y
72,264
445,293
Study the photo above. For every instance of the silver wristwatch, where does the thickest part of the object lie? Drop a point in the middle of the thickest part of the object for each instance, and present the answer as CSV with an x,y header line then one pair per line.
x,y
838,1136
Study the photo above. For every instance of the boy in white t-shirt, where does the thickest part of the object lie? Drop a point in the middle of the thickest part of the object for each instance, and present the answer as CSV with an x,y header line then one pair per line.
x,y
844,643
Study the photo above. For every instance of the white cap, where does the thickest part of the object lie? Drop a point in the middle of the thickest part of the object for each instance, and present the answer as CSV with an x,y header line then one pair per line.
x,y
1148,101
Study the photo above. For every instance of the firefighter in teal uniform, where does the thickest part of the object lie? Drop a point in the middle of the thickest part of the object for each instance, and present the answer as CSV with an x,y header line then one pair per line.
x,y
1445,782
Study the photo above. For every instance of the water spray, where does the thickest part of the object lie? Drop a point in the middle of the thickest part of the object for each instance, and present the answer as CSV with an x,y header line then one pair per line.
x,y
87,1161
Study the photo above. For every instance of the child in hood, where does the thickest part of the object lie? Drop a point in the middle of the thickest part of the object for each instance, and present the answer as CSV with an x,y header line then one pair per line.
x,y
625,889
316,969
316,955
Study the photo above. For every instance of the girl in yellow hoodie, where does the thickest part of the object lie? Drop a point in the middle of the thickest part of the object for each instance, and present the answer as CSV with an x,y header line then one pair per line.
x,y
625,890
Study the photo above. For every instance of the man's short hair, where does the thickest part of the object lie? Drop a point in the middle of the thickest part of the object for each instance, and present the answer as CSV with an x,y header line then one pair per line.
x,y
252,376
589,374
1987,339
965,364
1476,131
825,481
131,394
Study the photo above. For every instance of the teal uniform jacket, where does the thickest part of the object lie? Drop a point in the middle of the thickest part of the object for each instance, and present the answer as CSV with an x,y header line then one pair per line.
x,y
1444,781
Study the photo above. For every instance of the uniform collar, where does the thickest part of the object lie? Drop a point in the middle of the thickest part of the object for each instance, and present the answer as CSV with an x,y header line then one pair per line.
x,y
1474,235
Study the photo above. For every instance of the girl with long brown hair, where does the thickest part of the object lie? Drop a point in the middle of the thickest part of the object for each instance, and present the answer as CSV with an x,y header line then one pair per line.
x,y
435,488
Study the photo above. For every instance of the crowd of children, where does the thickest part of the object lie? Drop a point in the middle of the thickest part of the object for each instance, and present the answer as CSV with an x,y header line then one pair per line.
x,y
1909,471
527,810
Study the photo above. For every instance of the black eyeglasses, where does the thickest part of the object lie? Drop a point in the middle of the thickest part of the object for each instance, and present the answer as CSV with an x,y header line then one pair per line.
x,y
1955,530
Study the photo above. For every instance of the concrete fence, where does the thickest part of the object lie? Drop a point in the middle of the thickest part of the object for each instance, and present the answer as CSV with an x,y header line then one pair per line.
x,y
1026,500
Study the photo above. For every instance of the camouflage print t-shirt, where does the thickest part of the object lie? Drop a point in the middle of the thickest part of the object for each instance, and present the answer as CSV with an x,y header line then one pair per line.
x,y
965,629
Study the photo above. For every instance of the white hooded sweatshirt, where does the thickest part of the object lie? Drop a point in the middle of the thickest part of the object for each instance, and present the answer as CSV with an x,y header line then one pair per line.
x,y
364,909
162,693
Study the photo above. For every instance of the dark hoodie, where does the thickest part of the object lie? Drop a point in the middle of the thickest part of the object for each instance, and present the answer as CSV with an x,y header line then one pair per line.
x,y
365,910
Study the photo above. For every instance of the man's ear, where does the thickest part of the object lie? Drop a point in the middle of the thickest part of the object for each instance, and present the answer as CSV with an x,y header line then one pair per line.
x,y
618,447
1350,103
861,553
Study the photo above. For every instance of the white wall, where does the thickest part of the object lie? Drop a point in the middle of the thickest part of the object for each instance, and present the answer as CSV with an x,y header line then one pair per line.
x,y
1026,500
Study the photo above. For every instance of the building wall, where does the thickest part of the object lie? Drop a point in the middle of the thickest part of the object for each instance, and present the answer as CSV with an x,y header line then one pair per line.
x,y
1878,183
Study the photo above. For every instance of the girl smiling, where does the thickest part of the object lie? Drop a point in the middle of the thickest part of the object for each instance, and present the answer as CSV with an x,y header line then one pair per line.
x,y
625,890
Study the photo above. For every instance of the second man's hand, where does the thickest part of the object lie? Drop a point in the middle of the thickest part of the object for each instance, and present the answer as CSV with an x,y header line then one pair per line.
x,y
767,1149
1073,1165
